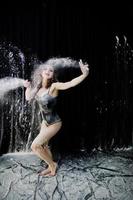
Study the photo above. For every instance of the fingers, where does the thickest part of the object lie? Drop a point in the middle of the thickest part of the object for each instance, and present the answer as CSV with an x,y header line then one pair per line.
x,y
26,83
83,64
87,68
80,62
84,67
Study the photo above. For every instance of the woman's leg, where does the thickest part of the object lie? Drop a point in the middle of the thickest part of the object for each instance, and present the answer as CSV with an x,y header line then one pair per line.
x,y
47,171
46,133
48,150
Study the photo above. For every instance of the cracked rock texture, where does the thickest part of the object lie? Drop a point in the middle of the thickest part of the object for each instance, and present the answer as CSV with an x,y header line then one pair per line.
x,y
95,176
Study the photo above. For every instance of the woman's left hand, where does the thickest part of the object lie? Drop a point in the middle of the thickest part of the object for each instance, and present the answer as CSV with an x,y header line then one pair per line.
x,y
84,68
26,83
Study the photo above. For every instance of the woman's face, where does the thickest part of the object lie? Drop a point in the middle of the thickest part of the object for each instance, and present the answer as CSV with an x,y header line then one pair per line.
x,y
48,72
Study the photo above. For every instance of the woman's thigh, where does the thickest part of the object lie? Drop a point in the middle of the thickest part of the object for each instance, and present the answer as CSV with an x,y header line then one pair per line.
x,y
46,133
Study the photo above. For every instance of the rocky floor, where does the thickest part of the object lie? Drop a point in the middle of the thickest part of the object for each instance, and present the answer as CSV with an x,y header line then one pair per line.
x,y
95,176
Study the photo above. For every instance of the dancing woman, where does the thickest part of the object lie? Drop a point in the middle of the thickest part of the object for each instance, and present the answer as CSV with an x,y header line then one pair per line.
x,y
45,92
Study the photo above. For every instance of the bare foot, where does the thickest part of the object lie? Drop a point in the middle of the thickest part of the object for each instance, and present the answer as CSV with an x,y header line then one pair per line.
x,y
53,169
45,172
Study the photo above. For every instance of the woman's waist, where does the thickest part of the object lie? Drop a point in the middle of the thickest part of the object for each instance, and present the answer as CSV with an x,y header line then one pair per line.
x,y
50,117
48,111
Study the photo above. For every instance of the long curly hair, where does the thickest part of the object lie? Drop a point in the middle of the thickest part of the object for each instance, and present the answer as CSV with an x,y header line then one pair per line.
x,y
57,64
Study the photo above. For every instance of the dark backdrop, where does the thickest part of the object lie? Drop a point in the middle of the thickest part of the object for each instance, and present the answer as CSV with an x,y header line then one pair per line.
x,y
91,112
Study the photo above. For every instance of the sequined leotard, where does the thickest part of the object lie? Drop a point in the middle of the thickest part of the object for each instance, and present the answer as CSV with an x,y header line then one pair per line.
x,y
47,108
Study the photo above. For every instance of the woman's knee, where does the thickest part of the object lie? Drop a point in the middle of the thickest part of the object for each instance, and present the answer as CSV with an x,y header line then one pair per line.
x,y
35,146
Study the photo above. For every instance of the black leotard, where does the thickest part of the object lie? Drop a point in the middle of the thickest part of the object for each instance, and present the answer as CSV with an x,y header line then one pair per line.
x,y
47,108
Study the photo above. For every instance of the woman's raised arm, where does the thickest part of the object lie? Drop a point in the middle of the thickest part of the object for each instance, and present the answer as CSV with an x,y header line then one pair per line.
x,y
63,86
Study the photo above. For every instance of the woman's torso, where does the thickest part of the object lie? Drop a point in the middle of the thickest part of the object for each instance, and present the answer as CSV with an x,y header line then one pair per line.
x,y
47,106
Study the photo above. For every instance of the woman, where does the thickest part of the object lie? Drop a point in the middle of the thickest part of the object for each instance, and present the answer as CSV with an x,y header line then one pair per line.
x,y
46,95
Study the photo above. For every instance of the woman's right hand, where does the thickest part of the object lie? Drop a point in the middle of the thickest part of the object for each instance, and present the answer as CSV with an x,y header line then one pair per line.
x,y
84,68
27,84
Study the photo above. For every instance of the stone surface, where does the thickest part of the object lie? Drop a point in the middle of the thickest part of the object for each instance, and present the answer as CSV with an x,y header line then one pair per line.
x,y
95,176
